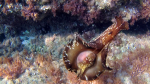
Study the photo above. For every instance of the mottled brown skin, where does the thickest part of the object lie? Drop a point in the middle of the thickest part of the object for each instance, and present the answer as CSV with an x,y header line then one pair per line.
x,y
99,46
108,35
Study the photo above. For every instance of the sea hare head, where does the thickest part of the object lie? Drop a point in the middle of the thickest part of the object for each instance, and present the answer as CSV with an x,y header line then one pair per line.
x,y
85,60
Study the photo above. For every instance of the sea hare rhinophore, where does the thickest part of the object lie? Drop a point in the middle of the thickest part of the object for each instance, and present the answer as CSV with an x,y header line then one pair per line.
x,y
88,60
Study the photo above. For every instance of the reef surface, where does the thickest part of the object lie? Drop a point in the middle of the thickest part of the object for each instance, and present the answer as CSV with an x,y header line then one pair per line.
x,y
34,33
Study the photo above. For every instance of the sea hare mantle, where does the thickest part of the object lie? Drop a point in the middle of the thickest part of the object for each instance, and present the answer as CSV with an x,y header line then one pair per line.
x,y
88,60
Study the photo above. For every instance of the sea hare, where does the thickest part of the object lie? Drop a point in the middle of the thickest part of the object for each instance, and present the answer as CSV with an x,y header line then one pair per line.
x,y
88,59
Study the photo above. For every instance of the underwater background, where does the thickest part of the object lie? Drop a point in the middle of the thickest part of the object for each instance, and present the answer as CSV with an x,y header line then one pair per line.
x,y
34,33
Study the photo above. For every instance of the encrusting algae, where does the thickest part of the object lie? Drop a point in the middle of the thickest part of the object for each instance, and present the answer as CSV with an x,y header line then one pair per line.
x,y
12,67
49,68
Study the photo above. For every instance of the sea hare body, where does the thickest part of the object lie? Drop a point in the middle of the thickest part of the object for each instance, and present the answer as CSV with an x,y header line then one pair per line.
x,y
108,35
88,60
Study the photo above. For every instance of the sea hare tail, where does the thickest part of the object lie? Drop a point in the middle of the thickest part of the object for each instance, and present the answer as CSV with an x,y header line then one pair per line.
x,y
120,21
125,26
